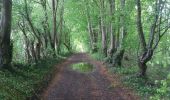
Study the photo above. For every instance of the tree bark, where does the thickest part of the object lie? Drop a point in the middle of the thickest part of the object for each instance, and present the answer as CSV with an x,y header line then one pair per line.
x,y
45,23
142,62
55,38
5,33
103,28
140,27
26,39
112,29
117,58
118,55
92,34
147,48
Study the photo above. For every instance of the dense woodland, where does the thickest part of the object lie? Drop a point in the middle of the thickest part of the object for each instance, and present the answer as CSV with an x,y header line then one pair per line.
x,y
131,37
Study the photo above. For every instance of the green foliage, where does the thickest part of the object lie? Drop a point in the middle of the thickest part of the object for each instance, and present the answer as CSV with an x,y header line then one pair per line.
x,y
24,80
163,91
75,19
148,88
18,48
124,70
98,56
75,35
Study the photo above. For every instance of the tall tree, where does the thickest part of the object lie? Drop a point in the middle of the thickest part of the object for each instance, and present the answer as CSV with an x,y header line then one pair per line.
x,y
92,32
112,28
103,27
158,28
54,10
5,33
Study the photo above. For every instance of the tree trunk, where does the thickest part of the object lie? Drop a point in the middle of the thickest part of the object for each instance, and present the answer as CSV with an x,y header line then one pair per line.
x,y
33,51
142,68
26,39
122,21
38,50
147,50
55,38
45,23
61,24
117,58
140,27
92,34
103,28
118,55
142,61
112,29
5,32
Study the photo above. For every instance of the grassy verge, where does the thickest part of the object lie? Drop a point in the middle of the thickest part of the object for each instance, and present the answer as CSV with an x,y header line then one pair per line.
x,y
25,81
156,86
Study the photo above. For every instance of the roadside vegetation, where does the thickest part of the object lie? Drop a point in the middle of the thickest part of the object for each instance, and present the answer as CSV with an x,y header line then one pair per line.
x,y
131,37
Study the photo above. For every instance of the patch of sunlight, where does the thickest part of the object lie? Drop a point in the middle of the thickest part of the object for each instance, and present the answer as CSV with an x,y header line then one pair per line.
x,y
82,67
79,46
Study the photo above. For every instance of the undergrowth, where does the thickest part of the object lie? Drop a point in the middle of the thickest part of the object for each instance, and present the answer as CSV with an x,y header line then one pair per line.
x,y
156,86
97,56
24,81
150,87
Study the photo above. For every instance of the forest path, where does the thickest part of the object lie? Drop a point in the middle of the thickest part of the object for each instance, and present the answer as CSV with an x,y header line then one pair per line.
x,y
96,85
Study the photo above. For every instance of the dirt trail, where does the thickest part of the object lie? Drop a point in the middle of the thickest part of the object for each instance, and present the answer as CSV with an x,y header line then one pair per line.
x,y
97,85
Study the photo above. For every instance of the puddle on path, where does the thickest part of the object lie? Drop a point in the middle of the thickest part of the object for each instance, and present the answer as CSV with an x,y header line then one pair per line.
x,y
82,67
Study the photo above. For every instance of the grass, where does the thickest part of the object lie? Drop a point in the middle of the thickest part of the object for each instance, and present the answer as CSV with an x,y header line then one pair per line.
x,y
149,88
156,86
24,81
98,56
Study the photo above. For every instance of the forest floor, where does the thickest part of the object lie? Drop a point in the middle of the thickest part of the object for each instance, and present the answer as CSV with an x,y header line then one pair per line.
x,y
69,84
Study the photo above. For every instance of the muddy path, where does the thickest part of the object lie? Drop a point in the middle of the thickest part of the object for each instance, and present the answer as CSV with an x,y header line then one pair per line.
x,y
96,85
